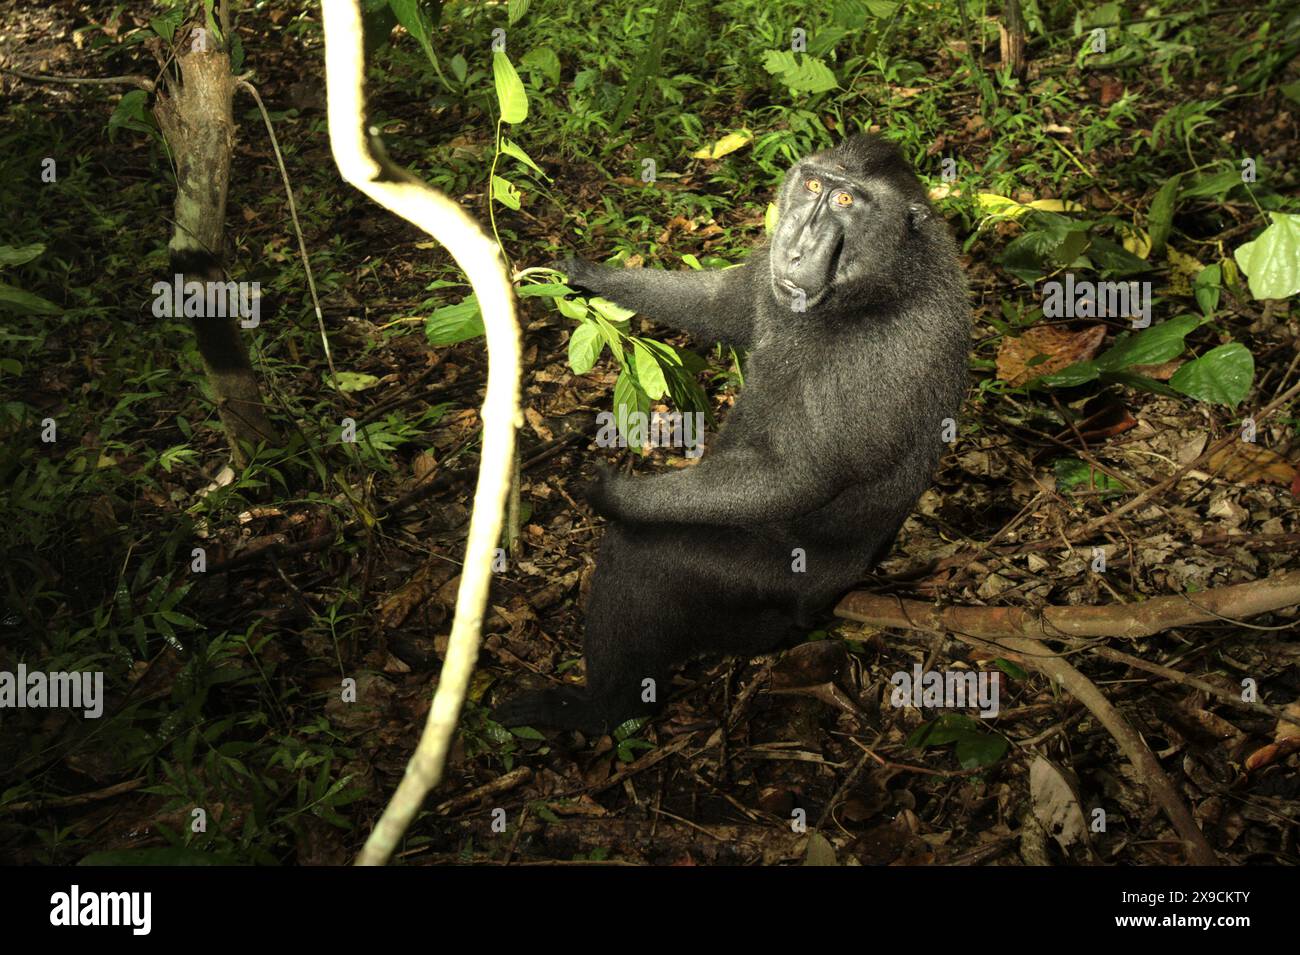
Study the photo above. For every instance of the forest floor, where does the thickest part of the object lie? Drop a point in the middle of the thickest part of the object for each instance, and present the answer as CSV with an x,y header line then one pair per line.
x,y
305,592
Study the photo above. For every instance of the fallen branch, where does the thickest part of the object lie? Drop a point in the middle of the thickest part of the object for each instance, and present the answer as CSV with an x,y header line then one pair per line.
x,y
1008,630
1122,620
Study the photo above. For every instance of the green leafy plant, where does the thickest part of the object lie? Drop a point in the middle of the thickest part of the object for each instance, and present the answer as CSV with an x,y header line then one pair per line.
x,y
976,747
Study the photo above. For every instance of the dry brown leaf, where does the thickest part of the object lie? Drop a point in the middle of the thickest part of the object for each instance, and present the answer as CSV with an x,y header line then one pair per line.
x,y
1246,463
1056,802
1062,347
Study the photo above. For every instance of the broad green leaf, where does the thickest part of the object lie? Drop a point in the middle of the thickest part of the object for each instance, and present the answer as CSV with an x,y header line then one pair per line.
x,y
1161,217
1112,259
585,346
459,68
1150,346
132,112
414,18
667,354
515,10
1214,186
543,60
511,96
769,218
648,372
377,22
1011,669
1071,376
504,192
356,381
1222,375
1139,383
1272,262
510,149
1208,285
21,301
9,255
455,323
975,751
610,331
572,307
615,313
544,289
629,398
947,728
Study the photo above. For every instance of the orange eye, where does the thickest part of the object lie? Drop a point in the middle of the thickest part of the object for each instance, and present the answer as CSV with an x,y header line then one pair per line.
x,y
813,185
843,199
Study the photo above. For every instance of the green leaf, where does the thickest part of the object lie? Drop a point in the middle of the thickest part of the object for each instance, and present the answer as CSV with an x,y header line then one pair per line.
x,y
1071,376
612,311
629,398
1112,259
511,96
165,25
455,323
1150,346
1161,217
412,15
648,372
132,112
769,218
543,60
806,75
977,750
1138,383
574,308
1208,285
1072,473
515,10
1272,261
20,301
504,192
377,22
610,331
585,346
9,255
1222,375
826,39
356,381
629,728
510,149
1011,669
1214,186
948,728
544,289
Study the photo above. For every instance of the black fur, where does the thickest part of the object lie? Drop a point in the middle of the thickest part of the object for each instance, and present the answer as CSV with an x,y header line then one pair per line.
x,y
833,438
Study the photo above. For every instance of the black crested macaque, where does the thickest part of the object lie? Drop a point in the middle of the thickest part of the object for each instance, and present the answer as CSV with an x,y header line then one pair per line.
x,y
857,324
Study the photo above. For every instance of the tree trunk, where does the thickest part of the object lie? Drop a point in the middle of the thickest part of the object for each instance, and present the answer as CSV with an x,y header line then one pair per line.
x,y
1011,33
197,120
